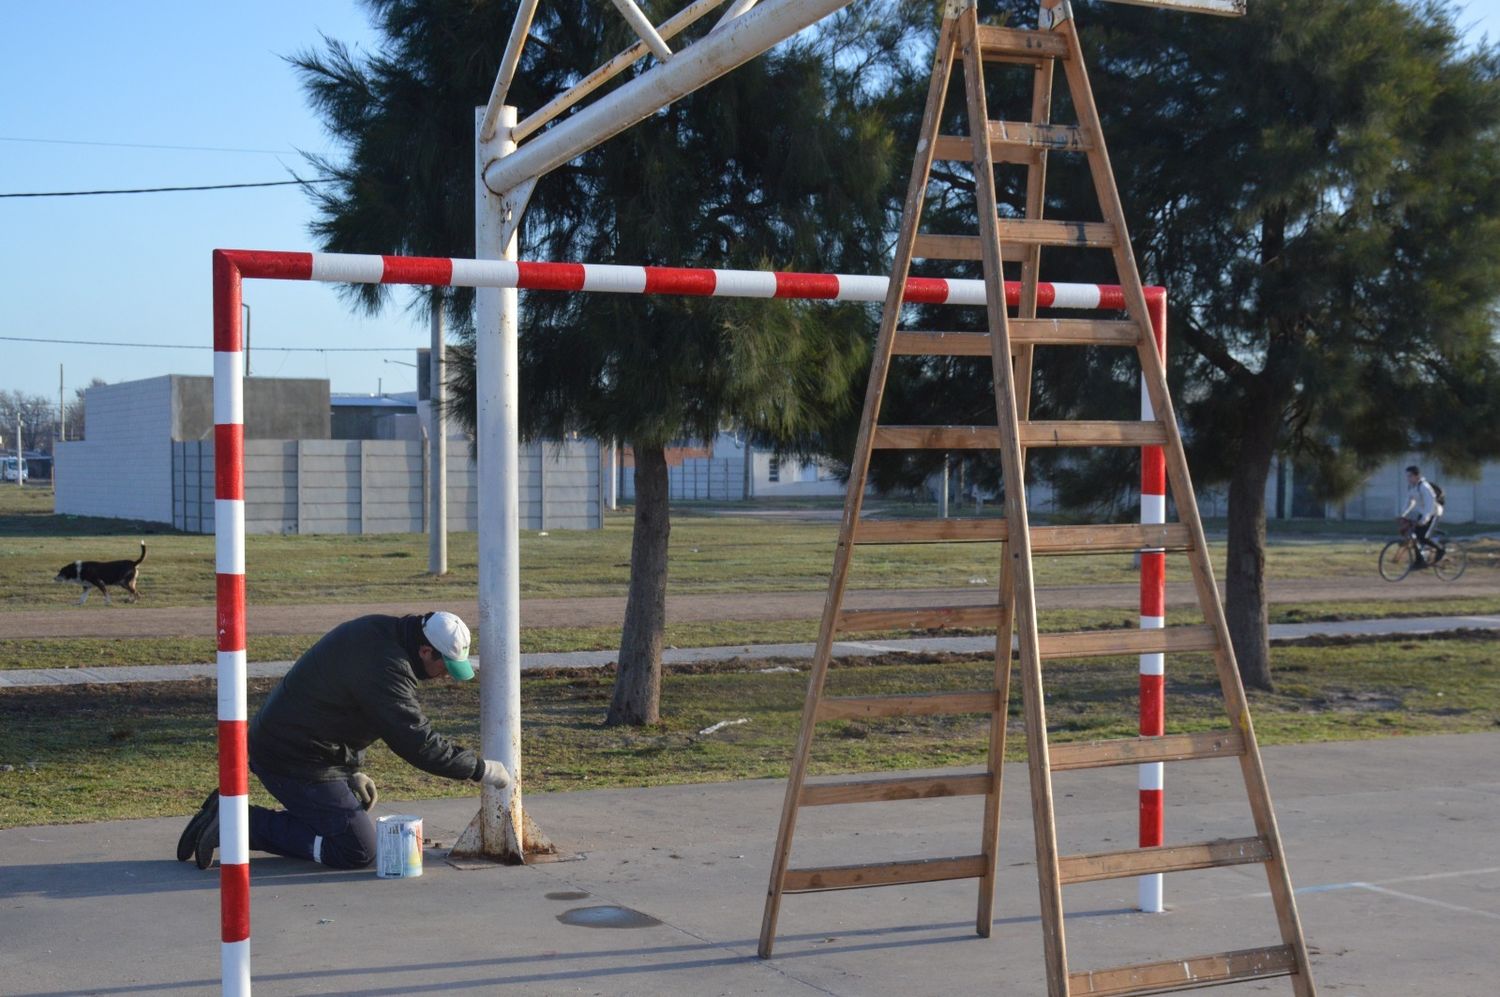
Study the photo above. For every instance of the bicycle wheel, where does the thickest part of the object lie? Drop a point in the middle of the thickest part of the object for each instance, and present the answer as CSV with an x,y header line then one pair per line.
x,y
1454,561
1395,560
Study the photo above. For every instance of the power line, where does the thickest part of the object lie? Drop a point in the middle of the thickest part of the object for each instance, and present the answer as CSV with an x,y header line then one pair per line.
x,y
142,145
158,190
188,346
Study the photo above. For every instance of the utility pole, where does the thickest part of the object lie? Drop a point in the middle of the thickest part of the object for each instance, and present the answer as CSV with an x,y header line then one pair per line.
x,y
20,451
62,420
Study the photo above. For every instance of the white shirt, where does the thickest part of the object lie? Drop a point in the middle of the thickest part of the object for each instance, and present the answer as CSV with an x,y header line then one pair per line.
x,y
1423,499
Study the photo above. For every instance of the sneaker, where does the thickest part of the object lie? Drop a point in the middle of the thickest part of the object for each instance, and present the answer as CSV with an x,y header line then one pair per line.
x,y
208,842
188,843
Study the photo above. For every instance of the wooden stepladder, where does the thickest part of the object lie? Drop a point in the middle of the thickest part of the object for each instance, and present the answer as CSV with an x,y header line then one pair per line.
x,y
1009,343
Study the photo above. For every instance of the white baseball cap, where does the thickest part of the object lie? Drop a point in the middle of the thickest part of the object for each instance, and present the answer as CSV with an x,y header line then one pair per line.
x,y
450,637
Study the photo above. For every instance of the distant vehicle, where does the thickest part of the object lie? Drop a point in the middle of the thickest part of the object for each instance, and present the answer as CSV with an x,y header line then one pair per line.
x,y
9,466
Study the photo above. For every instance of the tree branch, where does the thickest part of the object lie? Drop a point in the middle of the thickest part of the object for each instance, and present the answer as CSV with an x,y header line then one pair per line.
x,y
1214,352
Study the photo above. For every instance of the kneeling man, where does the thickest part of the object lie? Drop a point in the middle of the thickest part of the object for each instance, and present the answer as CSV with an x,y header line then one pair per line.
x,y
307,743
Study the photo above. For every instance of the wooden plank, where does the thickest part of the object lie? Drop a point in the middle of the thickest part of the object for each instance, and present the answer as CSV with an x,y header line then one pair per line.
x,y
936,438
958,247
942,344
920,705
998,43
1138,750
1094,539
1165,858
1099,643
926,617
907,531
1036,135
1199,971
960,149
1016,142
1073,332
1108,538
1092,434
1048,232
1023,332
1033,434
882,790
846,877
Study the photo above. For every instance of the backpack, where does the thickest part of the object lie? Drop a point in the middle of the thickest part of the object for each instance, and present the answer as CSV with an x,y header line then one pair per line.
x,y
1437,493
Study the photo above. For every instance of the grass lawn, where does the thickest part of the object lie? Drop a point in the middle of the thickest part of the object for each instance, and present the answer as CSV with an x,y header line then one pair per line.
x,y
103,652
88,753
709,553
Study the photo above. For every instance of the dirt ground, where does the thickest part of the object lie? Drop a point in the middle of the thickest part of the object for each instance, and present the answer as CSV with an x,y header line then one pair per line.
x,y
141,620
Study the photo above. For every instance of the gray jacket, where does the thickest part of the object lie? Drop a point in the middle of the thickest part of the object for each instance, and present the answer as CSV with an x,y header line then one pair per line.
x,y
356,685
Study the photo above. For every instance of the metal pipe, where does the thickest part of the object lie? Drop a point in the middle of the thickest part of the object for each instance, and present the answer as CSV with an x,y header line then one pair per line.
x,y
614,67
736,9
702,62
437,446
496,222
643,28
519,30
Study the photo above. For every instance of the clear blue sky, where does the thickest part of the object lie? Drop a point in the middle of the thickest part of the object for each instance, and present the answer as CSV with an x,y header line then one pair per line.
x,y
135,268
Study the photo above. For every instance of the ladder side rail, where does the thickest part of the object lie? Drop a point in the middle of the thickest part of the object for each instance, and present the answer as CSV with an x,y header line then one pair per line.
x,y
1018,550
859,471
1154,374
1036,191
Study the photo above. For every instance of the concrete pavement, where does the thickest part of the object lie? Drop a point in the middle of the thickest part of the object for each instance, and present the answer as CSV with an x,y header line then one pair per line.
x,y
34,677
1391,843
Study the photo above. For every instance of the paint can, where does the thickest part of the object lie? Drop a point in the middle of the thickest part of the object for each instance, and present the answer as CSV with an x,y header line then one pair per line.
x,y
398,846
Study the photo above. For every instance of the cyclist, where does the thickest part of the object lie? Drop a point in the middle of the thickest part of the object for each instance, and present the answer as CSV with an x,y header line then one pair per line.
x,y
1421,514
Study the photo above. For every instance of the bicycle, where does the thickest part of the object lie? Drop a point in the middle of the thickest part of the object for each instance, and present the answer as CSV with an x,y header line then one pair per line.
x,y
1400,558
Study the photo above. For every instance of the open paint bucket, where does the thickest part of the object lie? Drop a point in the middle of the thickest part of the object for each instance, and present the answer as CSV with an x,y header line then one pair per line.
x,y
398,846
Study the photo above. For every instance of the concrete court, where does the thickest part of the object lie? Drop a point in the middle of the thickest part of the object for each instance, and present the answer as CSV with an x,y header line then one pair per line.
x,y
1393,846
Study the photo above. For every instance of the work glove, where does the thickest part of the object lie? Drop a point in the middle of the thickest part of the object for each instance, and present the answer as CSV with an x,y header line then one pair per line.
x,y
363,788
494,774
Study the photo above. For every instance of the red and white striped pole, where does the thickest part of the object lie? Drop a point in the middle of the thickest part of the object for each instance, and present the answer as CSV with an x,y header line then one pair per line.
x,y
1153,616
229,568
231,265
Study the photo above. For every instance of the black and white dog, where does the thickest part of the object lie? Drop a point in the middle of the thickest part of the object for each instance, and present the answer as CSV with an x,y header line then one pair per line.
x,y
101,574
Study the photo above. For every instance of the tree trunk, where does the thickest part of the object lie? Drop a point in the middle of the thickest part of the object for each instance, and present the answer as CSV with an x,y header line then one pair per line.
x,y
1245,564
637,696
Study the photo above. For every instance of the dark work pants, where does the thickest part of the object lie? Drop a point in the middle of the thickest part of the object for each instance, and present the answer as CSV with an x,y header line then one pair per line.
x,y
323,821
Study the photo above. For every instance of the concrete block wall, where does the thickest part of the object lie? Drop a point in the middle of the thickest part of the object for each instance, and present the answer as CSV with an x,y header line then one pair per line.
x,y
122,468
379,486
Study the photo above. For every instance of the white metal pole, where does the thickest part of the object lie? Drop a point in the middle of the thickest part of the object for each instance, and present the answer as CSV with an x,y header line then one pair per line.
x,y
496,221
728,46
437,446
613,488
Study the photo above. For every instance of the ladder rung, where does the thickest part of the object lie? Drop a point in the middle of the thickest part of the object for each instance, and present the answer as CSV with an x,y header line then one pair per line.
x,y
1110,538
926,246
1099,643
1073,332
1092,434
881,790
1138,750
1097,539
1047,232
1199,971
1023,332
1032,434
1166,858
960,149
920,531
921,618
1014,142
921,705
1030,135
1012,43
844,877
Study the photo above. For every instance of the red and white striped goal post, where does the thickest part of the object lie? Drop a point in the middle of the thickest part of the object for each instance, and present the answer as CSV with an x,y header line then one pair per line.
x,y
232,266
